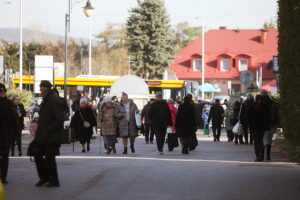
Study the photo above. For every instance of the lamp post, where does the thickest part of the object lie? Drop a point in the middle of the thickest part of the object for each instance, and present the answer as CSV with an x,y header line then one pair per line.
x,y
88,11
203,59
21,48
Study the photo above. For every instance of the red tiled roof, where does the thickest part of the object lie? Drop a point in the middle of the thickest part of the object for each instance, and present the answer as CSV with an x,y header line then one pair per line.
x,y
231,43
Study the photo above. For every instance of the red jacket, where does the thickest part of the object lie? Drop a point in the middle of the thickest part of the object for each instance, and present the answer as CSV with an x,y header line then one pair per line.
x,y
173,111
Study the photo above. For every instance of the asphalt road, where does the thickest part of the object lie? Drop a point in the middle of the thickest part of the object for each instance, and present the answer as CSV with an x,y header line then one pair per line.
x,y
215,171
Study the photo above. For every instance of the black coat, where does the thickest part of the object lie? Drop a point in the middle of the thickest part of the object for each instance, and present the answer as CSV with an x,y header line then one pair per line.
x,y
245,107
216,115
145,114
236,112
20,110
185,121
159,114
8,124
82,133
259,117
51,121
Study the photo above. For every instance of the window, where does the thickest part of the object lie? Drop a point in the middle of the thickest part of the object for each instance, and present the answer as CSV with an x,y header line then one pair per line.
x,y
243,65
197,65
225,65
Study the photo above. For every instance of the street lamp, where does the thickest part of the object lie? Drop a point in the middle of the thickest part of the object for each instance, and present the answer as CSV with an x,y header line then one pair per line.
x,y
21,48
88,11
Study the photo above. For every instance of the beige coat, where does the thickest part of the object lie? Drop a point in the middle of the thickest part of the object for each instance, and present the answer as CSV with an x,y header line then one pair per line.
x,y
107,119
126,128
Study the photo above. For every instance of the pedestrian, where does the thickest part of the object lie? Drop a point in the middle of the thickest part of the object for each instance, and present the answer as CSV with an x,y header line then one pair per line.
x,y
34,124
8,127
205,115
228,114
149,133
268,136
48,136
236,111
185,124
21,113
216,115
259,120
125,114
172,137
247,103
83,122
160,116
108,124
194,141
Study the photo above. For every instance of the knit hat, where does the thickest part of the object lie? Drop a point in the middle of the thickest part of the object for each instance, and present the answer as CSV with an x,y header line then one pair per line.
x,y
107,99
158,93
2,86
83,100
46,84
124,94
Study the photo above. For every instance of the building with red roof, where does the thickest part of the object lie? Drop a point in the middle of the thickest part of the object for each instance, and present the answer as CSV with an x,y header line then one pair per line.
x,y
227,53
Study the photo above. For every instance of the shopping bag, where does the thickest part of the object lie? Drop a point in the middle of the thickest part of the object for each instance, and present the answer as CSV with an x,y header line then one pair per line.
x,y
138,119
172,141
169,130
240,130
206,131
236,128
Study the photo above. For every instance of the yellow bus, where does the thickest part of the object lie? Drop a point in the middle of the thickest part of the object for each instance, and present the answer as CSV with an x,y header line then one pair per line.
x,y
100,85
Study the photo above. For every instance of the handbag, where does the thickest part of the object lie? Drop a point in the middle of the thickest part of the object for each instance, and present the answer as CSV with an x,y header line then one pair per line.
x,y
32,149
86,124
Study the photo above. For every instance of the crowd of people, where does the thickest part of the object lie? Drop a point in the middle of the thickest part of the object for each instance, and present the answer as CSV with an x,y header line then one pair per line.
x,y
163,120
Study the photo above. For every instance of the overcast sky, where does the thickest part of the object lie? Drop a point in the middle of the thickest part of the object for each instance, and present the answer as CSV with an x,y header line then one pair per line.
x,y
48,15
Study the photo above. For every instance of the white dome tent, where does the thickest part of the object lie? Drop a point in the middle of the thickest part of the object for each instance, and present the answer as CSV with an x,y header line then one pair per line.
x,y
134,86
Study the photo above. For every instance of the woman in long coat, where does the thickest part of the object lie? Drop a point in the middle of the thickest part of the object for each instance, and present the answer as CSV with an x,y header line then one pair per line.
x,y
185,124
108,124
259,119
125,114
83,130
8,127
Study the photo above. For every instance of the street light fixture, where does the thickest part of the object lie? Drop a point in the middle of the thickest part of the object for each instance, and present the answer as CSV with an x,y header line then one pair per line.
x,y
88,9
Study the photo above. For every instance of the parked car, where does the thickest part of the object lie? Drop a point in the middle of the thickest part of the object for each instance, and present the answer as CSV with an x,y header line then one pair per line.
x,y
221,98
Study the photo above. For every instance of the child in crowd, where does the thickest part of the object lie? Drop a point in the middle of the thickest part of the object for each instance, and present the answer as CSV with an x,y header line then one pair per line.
x,y
34,124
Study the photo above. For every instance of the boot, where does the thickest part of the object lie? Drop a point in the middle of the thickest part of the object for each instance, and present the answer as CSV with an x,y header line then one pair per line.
x,y
268,147
132,148
12,151
125,150
114,148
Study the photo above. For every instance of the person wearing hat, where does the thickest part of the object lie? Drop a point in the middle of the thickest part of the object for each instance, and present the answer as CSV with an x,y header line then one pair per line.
x,y
125,113
160,115
48,136
83,122
108,124
8,127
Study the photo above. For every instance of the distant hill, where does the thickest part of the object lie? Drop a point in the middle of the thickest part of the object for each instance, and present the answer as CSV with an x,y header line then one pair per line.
x,y
29,35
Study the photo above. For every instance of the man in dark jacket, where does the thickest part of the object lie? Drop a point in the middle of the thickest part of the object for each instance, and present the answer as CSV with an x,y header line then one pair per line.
x,y
49,136
8,127
216,115
147,122
21,113
246,105
160,115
